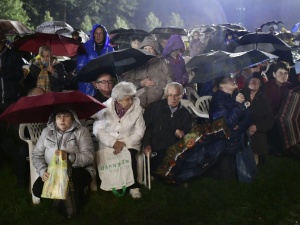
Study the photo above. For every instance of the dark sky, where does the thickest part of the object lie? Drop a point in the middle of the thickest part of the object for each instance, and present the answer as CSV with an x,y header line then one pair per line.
x,y
256,12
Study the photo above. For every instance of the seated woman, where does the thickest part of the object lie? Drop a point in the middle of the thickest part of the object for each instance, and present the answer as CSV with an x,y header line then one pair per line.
x,y
47,72
120,125
65,134
103,87
230,105
261,114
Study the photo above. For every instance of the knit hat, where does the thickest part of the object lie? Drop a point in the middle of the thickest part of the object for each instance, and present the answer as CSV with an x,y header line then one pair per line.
x,y
150,41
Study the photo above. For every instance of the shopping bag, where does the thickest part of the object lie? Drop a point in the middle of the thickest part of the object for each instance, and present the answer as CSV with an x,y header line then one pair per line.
x,y
115,171
56,187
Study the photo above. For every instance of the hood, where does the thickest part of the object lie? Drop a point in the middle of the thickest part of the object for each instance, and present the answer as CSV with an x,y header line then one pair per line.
x,y
174,43
150,41
75,124
106,41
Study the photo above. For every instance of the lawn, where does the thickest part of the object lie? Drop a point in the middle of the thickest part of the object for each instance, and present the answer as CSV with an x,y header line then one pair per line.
x,y
274,198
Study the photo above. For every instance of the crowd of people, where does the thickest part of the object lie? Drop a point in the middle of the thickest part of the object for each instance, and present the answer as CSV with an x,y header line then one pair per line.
x,y
143,109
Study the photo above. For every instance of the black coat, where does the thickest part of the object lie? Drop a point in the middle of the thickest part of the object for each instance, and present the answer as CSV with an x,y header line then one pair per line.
x,y
161,124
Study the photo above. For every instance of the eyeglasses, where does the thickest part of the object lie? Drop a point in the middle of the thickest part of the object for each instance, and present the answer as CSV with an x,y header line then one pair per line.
x,y
104,82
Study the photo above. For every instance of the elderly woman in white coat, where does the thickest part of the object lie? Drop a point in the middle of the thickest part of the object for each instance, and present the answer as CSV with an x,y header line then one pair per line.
x,y
120,125
64,134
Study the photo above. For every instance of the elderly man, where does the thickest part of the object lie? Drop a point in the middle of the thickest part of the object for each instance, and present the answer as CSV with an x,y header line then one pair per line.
x,y
151,78
166,122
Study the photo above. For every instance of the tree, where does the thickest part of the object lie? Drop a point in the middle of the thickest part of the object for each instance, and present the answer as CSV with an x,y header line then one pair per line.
x,y
120,23
86,25
47,16
152,21
13,10
175,20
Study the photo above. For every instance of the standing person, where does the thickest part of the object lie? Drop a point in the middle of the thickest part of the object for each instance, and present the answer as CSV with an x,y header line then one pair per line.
x,y
162,40
103,85
276,89
260,111
47,72
167,121
121,124
151,78
64,134
173,53
97,45
196,46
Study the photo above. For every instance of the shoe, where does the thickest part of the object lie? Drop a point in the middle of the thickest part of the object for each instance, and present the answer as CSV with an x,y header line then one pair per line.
x,y
135,193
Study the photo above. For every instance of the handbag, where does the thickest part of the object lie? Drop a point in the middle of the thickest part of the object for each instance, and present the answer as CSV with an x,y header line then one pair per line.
x,y
56,187
115,171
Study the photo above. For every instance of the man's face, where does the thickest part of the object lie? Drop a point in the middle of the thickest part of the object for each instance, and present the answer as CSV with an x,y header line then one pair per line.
x,y
173,96
99,35
45,58
281,76
135,44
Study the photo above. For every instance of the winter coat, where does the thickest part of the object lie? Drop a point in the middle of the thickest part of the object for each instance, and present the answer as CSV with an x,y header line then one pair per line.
x,y
76,141
196,47
109,128
261,115
161,124
179,72
235,114
91,53
58,79
158,70
10,75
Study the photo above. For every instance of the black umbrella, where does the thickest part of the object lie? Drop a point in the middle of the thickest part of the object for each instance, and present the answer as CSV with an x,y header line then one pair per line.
x,y
233,26
123,36
114,63
169,31
261,41
271,23
203,59
226,64
11,27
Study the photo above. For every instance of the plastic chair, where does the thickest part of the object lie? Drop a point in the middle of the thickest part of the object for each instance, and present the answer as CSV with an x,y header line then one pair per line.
x,y
143,167
191,94
192,108
202,104
34,132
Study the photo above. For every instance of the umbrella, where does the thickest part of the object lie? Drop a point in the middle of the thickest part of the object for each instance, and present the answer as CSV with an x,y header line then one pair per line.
x,y
37,109
273,23
169,31
225,64
11,27
233,26
203,59
262,41
123,36
288,118
51,27
60,45
117,62
285,35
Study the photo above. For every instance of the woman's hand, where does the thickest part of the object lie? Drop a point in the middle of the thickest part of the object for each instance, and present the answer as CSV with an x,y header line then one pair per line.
x,y
64,154
179,133
45,176
147,150
50,69
118,146
240,98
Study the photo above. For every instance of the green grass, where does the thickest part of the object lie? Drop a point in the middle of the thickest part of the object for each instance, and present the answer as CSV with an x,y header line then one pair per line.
x,y
274,198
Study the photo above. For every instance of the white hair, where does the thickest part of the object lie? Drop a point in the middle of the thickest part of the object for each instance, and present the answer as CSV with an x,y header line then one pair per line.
x,y
123,89
174,85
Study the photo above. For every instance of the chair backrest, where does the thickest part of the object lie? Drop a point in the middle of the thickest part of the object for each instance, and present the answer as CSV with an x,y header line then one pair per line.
x,y
192,108
191,94
202,104
31,131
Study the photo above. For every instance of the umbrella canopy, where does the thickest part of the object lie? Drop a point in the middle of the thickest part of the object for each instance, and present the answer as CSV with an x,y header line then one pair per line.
x,y
10,27
261,41
203,59
273,23
225,64
114,63
169,31
289,118
285,35
123,36
233,26
51,27
37,109
60,45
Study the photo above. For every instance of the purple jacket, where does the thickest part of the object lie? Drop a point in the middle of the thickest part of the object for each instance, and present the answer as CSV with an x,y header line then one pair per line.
x,y
180,74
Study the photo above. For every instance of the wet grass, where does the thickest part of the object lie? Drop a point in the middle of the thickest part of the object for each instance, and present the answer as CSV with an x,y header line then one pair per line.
x,y
274,198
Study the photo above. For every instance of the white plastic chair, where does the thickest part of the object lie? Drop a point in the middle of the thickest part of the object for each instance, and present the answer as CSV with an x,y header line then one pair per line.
x,y
202,104
191,94
143,167
35,130
192,108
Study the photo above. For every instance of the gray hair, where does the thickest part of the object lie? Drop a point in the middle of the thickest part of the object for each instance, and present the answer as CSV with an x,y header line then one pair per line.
x,y
43,49
123,89
174,85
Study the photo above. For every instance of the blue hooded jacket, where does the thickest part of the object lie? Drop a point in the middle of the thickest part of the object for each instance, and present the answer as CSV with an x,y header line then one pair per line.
x,y
91,53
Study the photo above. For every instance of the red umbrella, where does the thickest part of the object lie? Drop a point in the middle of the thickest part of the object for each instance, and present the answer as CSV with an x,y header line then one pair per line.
x,y
37,109
59,44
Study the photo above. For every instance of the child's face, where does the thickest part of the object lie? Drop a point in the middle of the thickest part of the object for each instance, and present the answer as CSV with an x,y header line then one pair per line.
x,y
135,44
